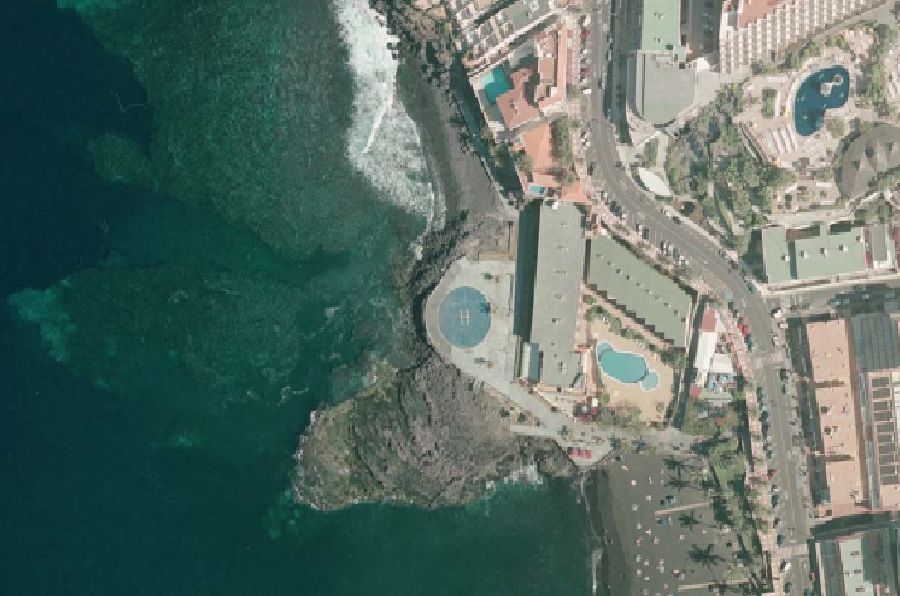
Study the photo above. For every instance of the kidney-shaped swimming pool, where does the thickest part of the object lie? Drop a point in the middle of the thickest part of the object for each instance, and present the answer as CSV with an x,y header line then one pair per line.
x,y
626,367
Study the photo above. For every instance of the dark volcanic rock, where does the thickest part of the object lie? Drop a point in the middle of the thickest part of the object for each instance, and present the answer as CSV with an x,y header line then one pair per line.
x,y
427,436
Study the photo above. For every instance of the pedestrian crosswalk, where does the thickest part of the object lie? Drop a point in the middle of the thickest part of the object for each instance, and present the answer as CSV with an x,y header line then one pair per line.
x,y
793,550
766,360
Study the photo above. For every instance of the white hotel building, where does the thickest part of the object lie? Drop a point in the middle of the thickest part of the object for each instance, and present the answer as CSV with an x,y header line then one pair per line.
x,y
757,30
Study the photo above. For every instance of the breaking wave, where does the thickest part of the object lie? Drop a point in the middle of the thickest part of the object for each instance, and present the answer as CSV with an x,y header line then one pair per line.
x,y
384,142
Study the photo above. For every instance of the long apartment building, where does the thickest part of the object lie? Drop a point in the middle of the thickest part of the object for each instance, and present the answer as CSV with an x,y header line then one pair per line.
x,y
465,13
549,357
855,366
758,30
489,41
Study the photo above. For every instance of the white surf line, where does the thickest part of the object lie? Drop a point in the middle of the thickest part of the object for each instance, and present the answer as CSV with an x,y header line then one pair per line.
x,y
376,124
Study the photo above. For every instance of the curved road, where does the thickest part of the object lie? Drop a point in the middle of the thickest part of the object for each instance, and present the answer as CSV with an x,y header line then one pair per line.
x,y
715,270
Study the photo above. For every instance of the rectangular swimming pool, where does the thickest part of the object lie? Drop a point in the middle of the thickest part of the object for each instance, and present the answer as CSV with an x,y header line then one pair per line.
x,y
496,83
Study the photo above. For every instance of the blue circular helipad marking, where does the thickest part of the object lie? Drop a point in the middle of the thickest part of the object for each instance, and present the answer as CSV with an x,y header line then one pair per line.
x,y
465,317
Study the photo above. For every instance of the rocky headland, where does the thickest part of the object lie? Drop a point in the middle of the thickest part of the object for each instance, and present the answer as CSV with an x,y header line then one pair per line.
x,y
426,434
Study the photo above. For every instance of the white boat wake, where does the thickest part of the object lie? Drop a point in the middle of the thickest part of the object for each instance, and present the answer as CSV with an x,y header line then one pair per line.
x,y
383,142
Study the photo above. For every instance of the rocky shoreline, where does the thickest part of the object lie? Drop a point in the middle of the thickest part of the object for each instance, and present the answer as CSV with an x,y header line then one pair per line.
x,y
424,435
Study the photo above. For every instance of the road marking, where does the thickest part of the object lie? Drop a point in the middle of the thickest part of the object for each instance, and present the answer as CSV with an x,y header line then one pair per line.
x,y
680,508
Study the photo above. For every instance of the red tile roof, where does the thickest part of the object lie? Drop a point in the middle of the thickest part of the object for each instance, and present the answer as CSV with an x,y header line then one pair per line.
x,y
514,105
709,320
753,10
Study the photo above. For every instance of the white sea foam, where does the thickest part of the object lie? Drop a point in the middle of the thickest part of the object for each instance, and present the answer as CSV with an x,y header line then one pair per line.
x,y
383,142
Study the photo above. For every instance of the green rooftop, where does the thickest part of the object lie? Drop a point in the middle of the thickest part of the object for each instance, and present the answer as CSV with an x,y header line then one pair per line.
x,y
857,564
776,257
661,26
826,254
639,289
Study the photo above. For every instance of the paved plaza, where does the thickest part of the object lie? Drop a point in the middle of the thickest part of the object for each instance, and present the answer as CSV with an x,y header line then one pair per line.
x,y
469,319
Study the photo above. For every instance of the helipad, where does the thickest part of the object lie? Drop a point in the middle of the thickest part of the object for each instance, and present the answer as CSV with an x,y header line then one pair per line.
x,y
465,317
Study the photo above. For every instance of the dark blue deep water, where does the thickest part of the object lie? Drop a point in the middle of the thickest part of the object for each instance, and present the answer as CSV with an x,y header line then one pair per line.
x,y
189,266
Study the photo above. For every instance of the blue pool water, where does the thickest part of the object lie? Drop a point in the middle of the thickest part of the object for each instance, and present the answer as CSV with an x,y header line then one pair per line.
x,y
496,83
824,90
465,317
540,190
626,367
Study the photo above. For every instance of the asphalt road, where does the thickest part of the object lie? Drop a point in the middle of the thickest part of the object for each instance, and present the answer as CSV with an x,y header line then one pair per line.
x,y
716,271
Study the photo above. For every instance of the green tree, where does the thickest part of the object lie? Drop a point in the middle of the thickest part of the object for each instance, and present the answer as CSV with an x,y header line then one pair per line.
x,y
768,98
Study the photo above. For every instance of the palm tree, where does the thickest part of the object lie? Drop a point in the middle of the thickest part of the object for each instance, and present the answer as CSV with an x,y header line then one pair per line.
x,y
688,519
677,483
705,556
676,465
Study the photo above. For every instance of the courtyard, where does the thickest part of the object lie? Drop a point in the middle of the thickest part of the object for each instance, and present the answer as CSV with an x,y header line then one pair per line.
x,y
651,398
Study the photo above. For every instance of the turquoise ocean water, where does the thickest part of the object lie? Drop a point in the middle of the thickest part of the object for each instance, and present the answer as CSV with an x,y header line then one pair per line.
x,y
190,262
